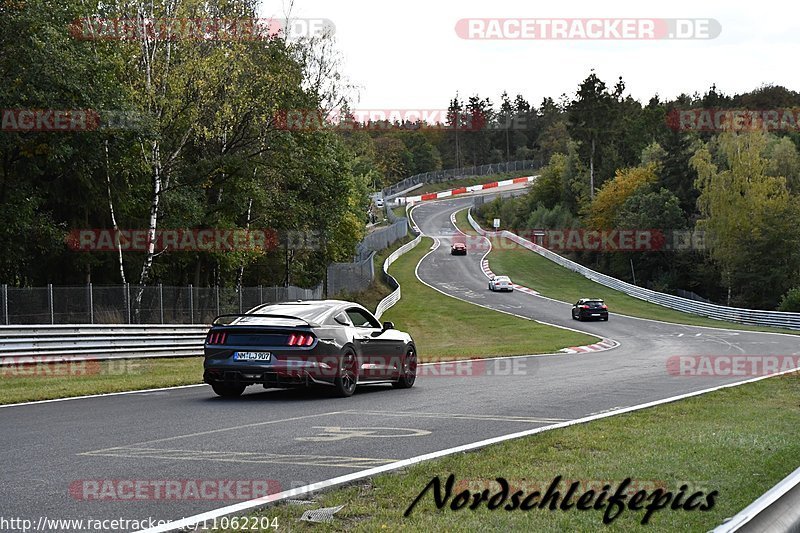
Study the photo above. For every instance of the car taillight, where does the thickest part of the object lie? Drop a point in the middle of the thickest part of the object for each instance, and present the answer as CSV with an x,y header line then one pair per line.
x,y
584,307
605,307
217,337
300,339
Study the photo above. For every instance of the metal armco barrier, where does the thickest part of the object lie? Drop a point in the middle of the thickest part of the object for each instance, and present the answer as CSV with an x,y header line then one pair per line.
x,y
750,317
98,342
453,173
394,297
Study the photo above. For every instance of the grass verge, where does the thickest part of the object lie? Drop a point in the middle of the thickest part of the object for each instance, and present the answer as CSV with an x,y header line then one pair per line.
x,y
440,324
532,270
45,381
735,441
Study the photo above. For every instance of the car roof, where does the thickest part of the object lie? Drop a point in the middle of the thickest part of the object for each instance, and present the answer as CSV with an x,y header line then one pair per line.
x,y
591,299
501,277
314,311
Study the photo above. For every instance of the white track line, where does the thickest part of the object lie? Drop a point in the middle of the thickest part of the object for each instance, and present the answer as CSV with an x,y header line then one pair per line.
x,y
102,395
436,244
340,480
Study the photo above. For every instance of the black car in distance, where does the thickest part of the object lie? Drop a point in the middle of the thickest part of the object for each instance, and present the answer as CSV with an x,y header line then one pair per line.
x,y
590,308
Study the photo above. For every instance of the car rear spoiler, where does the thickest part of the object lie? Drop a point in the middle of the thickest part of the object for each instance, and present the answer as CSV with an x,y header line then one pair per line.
x,y
248,315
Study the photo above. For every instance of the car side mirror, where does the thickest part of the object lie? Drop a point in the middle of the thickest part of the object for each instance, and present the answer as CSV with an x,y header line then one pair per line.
x,y
388,325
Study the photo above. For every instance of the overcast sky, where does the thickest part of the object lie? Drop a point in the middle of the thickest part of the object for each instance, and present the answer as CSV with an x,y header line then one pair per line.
x,y
407,55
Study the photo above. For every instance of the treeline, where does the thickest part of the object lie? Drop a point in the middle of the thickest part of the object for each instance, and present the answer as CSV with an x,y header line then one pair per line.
x,y
183,136
733,184
187,134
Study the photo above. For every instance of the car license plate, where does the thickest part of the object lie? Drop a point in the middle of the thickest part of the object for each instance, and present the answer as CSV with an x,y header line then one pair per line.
x,y
252,356
595,314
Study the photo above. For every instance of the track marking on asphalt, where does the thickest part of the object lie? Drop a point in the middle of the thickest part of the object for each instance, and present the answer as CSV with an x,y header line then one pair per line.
x,y
240,457
234,428
405,463
457,416
334,433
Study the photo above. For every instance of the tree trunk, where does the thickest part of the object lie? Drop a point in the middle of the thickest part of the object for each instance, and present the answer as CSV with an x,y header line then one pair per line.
x,y
591,172
151,226
114,219
240,273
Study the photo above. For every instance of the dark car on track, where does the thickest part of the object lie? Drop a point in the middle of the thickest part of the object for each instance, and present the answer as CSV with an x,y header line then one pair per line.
x,y
588,308
317,342
458,248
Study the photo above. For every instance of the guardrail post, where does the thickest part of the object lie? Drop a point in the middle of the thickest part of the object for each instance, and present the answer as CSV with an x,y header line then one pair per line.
x,y
161,301
50,302
91,304
5,304
127,289
191,304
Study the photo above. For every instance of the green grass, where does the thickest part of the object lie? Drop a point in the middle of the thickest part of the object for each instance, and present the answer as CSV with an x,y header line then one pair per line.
x,y
532,270
447,328
738,441
469,180
399,211
26,383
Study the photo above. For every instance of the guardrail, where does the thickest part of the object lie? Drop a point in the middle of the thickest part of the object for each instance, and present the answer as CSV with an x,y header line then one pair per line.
x,y
53,343
452,173
778,509
394,297
750,317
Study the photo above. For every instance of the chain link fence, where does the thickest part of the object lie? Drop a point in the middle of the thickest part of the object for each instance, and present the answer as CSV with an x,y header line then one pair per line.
x,y
381,238
356,276
449,174
350,277
133,304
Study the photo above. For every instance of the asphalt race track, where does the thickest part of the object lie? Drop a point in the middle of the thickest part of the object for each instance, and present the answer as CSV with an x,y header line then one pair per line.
x,y
292,438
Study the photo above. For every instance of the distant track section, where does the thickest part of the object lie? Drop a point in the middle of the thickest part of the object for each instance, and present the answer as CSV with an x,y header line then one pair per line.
x,y
464,190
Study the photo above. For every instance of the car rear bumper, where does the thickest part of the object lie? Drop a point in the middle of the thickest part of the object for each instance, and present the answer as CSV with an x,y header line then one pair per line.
x,y
269,379
281,371
594,315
